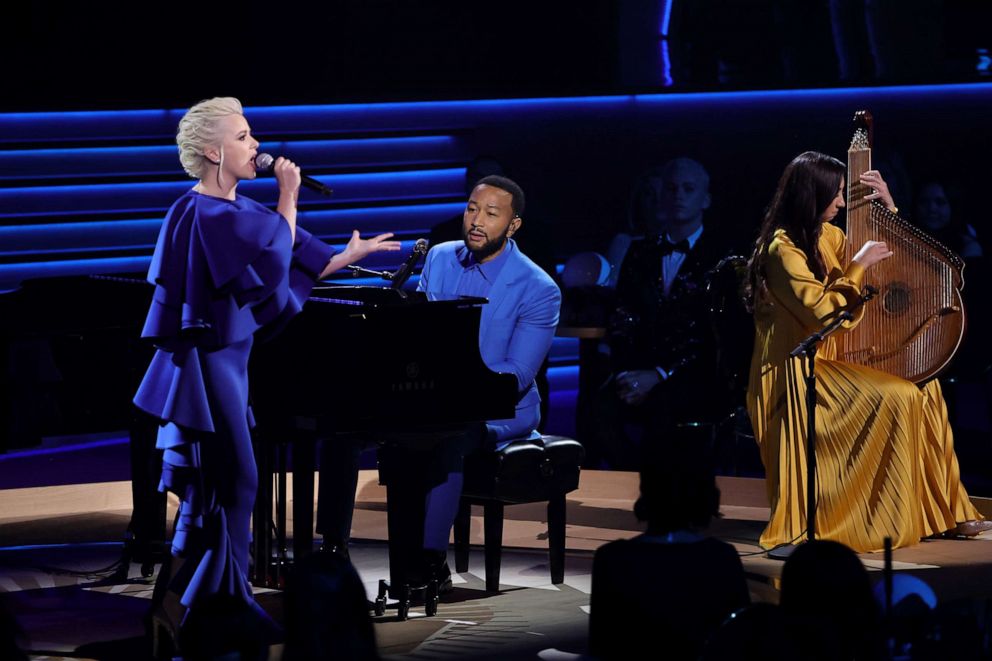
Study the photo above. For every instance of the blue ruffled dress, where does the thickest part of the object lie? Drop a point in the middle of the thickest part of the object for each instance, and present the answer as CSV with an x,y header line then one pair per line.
x,y
222,270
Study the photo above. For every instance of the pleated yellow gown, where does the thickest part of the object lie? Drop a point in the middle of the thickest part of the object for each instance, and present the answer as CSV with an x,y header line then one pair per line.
x,y
884,450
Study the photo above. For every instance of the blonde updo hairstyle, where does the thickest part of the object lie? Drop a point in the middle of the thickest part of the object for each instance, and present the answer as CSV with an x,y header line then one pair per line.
x,y
198,131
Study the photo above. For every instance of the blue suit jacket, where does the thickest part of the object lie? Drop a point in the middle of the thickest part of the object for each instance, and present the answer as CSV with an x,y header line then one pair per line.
x,y
517,327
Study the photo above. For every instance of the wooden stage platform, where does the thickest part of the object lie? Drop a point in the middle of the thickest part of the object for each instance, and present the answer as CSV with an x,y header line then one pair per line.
x,y
79,527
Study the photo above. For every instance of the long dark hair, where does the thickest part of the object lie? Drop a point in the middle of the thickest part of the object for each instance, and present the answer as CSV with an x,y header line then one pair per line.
x,y
805,190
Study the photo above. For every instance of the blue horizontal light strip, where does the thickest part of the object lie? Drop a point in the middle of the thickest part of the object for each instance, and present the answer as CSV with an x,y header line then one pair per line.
x,y
42,452
157,197
93,125
11,274
563,378
91,235
409,218
142,233
26,164
423,115
71,545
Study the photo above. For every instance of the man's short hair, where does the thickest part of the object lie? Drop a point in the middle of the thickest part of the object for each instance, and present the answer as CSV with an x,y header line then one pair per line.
x,y
510,186
689,165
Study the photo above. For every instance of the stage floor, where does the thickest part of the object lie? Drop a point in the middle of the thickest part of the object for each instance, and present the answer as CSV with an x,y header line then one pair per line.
x,y
55,540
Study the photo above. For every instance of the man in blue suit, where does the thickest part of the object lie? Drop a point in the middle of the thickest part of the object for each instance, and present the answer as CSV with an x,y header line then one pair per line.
x,y
515,334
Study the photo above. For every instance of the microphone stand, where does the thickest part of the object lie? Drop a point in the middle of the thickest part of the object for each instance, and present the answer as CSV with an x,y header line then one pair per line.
x,y
360,270
385,275
808,347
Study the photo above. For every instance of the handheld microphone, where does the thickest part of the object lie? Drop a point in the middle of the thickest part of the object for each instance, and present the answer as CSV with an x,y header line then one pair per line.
x,y
403,273
264,163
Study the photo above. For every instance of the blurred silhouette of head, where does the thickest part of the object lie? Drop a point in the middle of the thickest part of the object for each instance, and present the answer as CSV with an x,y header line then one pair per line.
x,y
933,206
585,269
327,615
826,589
644,212
678,488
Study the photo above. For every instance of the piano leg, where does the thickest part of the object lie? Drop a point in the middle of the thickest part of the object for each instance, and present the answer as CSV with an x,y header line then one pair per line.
x,y
145,541
262,516
281,453
406,493
304,459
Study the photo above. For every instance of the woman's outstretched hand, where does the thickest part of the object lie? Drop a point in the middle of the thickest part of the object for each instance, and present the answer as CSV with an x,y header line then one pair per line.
x,y
358,249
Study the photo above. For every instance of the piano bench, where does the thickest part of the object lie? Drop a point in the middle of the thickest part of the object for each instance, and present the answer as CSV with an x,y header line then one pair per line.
x,y
528,470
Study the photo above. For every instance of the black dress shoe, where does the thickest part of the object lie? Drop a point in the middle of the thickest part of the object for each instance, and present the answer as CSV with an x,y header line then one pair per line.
x,y
443,577
436,564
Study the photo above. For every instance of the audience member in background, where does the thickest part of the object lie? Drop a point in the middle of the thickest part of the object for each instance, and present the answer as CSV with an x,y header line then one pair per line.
x,y
589,300
327,614
645,218
662,593
935,202
940,212
827,597
662,346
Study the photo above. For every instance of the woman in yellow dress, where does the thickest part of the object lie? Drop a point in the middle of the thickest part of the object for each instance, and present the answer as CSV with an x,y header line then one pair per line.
x,y
884,450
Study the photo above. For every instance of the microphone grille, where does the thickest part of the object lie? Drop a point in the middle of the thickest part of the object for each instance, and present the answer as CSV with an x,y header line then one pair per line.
x,y
263,161
420,246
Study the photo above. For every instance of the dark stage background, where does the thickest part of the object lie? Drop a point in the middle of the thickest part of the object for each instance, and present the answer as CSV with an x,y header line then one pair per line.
x,y
123,55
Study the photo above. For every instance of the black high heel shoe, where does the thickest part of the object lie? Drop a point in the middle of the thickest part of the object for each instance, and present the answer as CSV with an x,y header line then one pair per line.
x,y
164,645
166,612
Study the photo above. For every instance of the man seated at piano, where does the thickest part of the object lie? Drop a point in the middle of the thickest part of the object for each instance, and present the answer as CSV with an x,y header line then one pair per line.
x,y
515,333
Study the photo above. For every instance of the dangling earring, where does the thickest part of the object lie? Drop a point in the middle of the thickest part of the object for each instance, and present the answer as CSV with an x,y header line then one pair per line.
x,y
220,166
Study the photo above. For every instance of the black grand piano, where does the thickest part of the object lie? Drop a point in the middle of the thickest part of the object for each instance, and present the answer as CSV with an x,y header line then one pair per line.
x,y
378,364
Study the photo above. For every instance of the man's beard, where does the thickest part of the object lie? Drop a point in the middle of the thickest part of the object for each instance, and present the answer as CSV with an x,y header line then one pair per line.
x,y
487,249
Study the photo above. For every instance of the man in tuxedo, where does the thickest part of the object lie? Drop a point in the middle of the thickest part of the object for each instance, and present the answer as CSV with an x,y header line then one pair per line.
x,y
515,333
662,347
